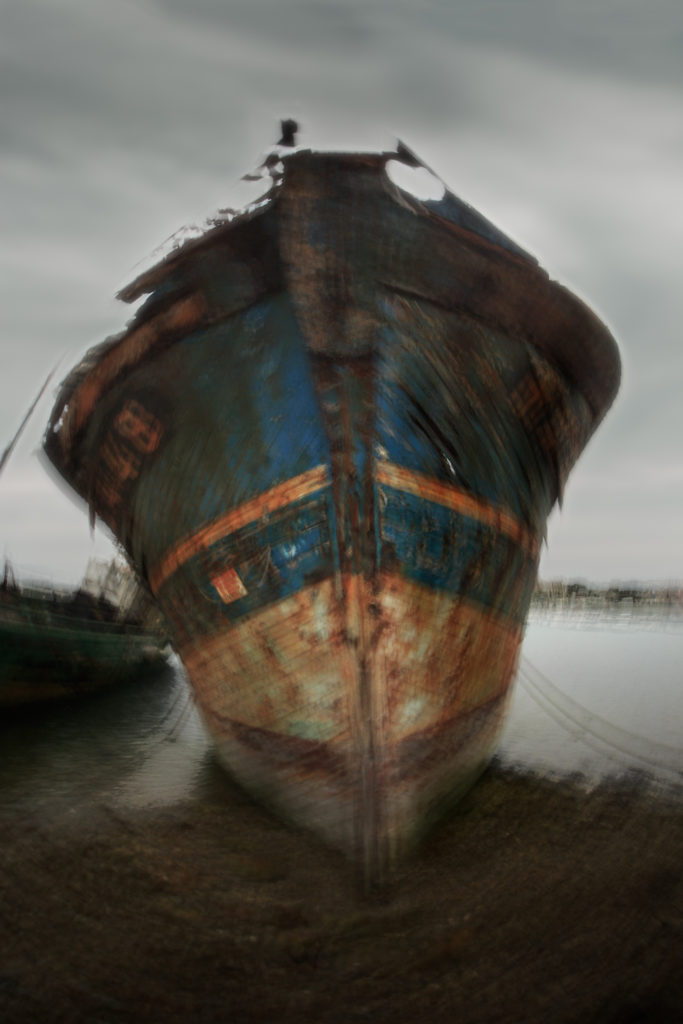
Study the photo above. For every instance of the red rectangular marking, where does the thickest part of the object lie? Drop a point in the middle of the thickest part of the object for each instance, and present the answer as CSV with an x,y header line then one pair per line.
x,y
229,586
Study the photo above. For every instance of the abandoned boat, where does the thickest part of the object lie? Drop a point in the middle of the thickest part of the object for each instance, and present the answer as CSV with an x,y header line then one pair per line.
x,y
58,643
329,439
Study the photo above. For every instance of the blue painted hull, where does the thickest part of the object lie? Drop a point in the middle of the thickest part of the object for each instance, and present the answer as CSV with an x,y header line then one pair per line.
x,y
330,440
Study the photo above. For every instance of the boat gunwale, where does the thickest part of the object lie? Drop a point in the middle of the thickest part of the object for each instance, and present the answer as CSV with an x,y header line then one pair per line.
x,y
160,324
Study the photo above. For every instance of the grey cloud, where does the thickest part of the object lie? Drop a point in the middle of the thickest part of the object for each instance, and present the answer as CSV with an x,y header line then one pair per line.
x,y
119,123
625,38
297,25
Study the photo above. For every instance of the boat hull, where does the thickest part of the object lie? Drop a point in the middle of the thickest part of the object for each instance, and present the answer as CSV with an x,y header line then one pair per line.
x,y
46,655
330,442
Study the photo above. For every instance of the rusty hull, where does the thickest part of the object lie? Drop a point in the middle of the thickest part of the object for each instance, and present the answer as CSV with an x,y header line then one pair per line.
x,y
329,440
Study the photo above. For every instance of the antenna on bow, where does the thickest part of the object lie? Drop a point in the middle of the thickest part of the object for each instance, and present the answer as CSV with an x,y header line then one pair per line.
x,y
288,129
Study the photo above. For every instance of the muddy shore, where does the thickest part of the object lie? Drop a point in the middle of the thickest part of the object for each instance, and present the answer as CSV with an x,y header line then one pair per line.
x,y
534,901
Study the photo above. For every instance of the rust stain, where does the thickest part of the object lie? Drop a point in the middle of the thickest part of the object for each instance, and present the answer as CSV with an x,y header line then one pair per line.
x,y
288,658
438,657
283,680
182,315
362,676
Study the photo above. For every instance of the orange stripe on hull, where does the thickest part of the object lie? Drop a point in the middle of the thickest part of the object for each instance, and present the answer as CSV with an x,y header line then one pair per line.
x,y
315,479
270,501
182,315
402,479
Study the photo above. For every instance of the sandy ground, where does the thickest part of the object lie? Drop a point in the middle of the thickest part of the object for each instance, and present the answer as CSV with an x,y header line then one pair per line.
x,y
533,902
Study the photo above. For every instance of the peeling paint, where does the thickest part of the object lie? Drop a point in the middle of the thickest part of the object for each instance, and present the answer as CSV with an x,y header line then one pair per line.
x,y
329,440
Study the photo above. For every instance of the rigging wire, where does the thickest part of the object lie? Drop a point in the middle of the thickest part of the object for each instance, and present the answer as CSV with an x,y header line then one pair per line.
x,y
563,709
27,416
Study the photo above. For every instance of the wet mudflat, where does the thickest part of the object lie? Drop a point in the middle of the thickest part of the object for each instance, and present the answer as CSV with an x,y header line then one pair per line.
x,y
534,901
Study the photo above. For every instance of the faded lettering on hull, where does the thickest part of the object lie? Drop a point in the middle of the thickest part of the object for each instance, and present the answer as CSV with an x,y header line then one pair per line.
x,y
329,440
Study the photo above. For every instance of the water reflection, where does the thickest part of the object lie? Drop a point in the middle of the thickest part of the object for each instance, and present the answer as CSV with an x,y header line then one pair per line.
x,y
599,697
139,744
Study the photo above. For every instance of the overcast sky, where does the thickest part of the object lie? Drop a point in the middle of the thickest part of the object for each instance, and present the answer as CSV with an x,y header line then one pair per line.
x,y
562,123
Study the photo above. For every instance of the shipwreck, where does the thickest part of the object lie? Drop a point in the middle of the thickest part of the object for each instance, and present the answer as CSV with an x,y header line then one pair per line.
x,y
329,440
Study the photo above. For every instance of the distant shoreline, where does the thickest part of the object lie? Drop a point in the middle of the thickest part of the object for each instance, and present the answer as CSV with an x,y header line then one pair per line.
x,y
565,594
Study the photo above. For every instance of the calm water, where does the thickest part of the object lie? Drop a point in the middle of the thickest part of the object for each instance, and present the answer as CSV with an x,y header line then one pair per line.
x,y
599,695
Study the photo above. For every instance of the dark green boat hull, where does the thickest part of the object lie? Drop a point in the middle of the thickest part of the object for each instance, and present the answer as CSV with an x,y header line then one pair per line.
x,y
47,654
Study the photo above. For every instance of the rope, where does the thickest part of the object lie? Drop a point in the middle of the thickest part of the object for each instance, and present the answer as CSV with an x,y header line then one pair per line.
x,y
563,709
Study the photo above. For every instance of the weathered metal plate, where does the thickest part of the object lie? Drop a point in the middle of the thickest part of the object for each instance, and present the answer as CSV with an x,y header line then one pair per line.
x,y
330,440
